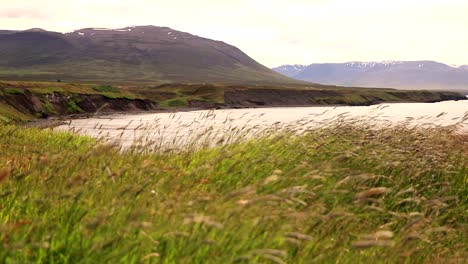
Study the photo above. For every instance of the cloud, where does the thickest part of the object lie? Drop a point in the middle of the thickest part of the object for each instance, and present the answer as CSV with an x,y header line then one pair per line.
x,y
21,13
276,32
295,42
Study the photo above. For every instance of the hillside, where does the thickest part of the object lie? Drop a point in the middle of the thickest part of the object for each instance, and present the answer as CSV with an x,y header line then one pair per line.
x,y
394,74
132,54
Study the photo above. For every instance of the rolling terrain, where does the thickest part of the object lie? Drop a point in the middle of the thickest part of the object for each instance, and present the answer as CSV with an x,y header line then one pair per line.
x,y
392,74
133,54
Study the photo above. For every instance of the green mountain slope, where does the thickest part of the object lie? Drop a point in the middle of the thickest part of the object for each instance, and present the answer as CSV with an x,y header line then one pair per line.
x,y
132,54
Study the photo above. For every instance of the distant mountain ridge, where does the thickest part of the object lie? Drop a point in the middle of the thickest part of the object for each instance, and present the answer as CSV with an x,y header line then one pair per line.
x,y
140,53
391,74
290,70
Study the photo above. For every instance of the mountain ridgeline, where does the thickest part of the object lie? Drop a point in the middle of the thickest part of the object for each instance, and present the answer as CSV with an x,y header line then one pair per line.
x,y
390,74
132,54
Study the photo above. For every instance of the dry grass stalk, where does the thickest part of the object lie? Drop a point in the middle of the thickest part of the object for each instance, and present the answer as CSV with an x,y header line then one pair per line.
x,y
378,239
372,192
380,235
409,190
4,173
177,234
298,236
204,220
362,244
269,251
151,255
274,259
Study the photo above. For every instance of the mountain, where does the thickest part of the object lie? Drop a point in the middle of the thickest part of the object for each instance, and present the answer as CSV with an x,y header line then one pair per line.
x,y
290,70
142,53
394,74
7,32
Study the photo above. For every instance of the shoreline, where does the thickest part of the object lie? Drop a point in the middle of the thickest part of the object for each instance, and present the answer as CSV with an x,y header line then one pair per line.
x,y
55,121
23,102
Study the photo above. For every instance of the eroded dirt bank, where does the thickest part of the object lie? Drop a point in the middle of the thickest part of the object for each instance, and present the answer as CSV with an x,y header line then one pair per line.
x,y
277,97
57,104
21,101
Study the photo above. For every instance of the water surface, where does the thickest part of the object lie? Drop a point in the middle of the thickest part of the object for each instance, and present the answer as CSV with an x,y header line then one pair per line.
x,y
180,129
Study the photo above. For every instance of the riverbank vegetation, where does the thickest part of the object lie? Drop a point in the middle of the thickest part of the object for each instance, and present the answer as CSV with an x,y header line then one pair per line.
x,y
346,193
22,101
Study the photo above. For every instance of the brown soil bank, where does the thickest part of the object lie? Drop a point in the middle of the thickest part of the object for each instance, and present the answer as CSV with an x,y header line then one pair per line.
x,y
22,101
237,97
57,104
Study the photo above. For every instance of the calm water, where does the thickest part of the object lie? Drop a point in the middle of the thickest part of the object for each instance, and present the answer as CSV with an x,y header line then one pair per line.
x,y
182,128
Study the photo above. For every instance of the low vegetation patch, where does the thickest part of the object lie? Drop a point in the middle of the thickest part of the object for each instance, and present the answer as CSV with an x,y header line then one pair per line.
x,y
48,90
346,193
14,91
48,108
178,102
21,94
106,89
9,114
73,107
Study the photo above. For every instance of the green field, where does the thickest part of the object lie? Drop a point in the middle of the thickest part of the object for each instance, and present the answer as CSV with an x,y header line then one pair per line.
x,y
347,194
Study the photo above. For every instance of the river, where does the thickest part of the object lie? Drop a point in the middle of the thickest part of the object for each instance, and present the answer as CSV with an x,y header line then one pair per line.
x,y
181,129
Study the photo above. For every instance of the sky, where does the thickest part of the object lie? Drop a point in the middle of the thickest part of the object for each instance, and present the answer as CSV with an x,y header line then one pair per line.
x,y
276,32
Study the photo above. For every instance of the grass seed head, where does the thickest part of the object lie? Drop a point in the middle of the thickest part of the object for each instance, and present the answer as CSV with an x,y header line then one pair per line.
x,y
363,244
4,173
372,192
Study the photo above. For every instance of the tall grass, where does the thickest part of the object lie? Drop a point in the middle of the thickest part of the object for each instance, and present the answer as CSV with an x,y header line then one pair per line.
x,y
344,193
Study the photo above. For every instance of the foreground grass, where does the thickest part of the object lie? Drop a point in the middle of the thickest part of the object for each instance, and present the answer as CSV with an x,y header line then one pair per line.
x,y
344,194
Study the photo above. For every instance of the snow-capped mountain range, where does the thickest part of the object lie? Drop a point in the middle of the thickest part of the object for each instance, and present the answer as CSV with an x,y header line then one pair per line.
x,y
394,74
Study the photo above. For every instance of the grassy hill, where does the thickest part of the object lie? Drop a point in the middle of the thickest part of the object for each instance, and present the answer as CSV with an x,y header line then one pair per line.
x,y
128,55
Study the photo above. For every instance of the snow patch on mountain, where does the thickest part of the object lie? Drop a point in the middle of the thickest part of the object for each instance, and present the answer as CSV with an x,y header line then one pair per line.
x,y
396,74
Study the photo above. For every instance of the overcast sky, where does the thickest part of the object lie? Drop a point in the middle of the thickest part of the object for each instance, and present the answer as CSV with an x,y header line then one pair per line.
x,y
276,32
